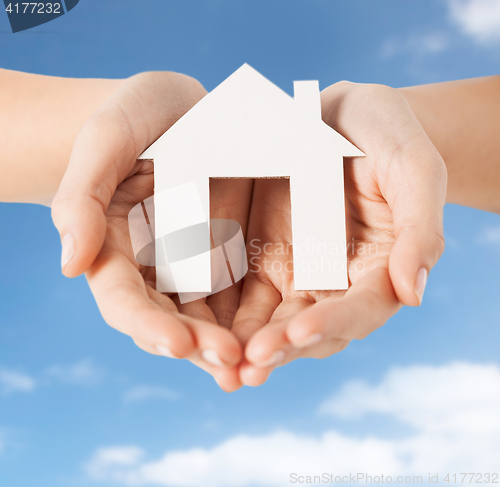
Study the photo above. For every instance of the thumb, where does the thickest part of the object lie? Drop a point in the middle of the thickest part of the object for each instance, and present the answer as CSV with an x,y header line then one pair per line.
x,y
80,205
81,238
416,194
105,153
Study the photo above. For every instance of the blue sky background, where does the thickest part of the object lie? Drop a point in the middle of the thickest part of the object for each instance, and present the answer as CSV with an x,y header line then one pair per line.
x,y
79,386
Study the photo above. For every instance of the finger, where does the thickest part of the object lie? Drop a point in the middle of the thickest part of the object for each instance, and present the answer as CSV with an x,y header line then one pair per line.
x,y
216,344
411,175
268,220
105,152
269,346
366,306
259,300
415,191
227,379
224,304
254,376
126,305
229,199
152,319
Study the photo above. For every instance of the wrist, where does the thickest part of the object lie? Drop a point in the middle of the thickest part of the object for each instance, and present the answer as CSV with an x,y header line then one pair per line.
x,y
436,130
52,111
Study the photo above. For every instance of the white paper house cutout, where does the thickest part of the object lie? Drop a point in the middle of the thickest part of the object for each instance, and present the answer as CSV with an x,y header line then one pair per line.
x,y
249,128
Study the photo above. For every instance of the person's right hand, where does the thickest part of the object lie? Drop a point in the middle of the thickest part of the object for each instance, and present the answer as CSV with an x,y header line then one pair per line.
x,y
103,182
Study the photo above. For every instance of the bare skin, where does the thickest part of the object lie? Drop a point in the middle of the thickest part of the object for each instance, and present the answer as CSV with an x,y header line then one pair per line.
x,y
394,196
461,118
40,118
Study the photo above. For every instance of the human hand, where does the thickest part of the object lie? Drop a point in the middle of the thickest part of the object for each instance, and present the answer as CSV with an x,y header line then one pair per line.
x,y
103,182
269,301
394,204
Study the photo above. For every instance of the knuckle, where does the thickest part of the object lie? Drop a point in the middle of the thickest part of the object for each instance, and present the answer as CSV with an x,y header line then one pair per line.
x,y
148,76
172,79
344,84
195,85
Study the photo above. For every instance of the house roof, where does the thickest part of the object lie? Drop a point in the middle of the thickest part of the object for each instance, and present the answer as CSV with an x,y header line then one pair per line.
x,y
247,101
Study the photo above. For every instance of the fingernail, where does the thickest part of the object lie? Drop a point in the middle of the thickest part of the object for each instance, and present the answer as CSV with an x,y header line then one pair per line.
x,y
420,283
165,351
309,341
275,359
212,357
68,249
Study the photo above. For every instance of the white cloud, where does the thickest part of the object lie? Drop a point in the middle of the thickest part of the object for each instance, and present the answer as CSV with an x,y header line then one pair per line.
x,y
453,413
84,372
418,45
490,235
457,398
13,381
479,19
107,459
148,392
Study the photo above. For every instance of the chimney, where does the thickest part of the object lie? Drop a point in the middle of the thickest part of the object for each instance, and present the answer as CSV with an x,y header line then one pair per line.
x,y
306,93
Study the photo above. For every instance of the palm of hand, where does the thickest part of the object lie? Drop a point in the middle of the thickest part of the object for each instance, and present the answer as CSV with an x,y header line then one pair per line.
x,y
270,279
240,334
160,324
260,309
394,200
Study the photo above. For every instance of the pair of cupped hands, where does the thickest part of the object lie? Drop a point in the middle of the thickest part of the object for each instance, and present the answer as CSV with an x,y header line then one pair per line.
x,y
394,203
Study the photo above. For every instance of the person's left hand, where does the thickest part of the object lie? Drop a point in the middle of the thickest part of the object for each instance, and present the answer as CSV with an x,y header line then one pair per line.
x,y
394,204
